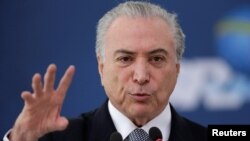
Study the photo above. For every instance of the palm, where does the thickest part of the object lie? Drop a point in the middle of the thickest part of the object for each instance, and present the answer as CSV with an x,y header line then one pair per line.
x,y
41,113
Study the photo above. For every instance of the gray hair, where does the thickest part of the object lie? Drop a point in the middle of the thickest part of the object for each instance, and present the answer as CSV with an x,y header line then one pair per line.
x,y
139,9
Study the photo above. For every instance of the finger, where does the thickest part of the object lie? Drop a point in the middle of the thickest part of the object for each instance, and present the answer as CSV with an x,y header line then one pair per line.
x,y
65,81
62,123
49,78
27,97
59,124
37,85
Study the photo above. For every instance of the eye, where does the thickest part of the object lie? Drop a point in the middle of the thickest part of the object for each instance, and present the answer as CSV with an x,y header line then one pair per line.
x,y
124,60
157,59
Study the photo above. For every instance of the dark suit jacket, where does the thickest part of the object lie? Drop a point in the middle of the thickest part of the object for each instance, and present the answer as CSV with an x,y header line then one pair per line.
x,y
97,125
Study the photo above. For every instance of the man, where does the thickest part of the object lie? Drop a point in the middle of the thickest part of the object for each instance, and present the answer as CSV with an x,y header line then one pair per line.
x,y
139,47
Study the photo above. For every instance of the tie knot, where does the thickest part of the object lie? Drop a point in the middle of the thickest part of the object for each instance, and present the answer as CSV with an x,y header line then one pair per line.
x,y
139,135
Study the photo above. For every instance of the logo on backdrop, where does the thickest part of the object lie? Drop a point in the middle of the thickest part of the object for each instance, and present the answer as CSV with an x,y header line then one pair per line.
x,y
222,82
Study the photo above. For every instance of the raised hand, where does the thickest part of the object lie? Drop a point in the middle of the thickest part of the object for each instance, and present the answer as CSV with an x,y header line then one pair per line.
x,y
41,111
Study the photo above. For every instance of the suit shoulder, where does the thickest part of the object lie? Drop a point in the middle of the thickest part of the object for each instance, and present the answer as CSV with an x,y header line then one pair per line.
x,y
183,129
195,125
198,131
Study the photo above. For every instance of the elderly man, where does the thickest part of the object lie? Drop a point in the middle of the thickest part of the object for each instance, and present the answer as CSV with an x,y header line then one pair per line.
x,y
139,46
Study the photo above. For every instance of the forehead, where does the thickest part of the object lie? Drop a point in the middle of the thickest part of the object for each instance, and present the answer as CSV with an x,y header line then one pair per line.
x,y
126,23
139,33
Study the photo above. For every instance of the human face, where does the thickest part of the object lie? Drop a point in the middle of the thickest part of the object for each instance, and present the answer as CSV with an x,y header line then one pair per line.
x,y
140,67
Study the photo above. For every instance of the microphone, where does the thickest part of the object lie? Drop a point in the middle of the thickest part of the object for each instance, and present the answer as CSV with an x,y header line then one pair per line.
x,y
115,136
155,134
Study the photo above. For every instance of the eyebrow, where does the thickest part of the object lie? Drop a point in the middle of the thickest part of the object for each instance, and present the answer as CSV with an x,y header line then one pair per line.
x,y
159,50
123,51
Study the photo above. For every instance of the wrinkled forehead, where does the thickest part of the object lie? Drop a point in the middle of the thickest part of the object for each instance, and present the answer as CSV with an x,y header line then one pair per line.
x,y
147,29
137,34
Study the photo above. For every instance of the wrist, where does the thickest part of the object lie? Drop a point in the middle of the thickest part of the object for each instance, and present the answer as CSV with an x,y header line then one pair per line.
x,y
20,134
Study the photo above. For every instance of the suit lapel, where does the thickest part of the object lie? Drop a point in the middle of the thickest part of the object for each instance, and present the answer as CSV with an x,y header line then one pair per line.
x,y
102,125
178,128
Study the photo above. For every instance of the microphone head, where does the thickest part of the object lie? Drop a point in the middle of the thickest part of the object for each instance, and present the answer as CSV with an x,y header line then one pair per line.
x,y
115,136
155,133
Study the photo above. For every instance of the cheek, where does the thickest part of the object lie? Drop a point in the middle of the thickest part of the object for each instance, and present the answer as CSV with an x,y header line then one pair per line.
x,y
119,76
109,78
114,82
166,84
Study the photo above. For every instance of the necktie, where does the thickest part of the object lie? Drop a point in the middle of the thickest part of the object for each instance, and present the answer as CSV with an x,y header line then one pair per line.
x,y
139,135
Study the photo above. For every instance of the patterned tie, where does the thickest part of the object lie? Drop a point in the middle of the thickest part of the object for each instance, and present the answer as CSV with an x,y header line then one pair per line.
x,y
139,135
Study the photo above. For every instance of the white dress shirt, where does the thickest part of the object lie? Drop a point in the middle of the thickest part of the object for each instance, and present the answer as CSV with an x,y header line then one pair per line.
x,y
124,125
5,138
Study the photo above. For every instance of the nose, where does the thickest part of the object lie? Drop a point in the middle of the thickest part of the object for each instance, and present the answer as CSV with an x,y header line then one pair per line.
x,y
141,73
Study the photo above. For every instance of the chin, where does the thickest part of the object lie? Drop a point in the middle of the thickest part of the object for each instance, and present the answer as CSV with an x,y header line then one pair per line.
x,y
140,111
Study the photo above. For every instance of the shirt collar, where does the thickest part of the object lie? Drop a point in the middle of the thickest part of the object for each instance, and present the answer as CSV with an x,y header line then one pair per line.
x,y
127,126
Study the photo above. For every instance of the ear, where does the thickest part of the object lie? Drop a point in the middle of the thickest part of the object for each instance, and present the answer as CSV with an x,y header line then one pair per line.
x,y
100,62
178,67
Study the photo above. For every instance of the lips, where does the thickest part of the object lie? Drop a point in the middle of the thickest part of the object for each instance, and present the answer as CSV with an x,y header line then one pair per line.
x,y
140,97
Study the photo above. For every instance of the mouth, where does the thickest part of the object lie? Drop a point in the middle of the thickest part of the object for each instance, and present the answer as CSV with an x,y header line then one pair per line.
x,y
140,97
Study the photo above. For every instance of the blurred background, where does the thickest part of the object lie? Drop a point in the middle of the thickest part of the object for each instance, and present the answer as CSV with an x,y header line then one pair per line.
x,y
214,83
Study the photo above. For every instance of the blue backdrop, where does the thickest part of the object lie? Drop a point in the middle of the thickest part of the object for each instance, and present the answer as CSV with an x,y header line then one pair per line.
x,y
35,33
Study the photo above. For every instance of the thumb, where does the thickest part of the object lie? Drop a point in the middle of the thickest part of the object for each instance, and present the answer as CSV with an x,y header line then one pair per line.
x,y
62,123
